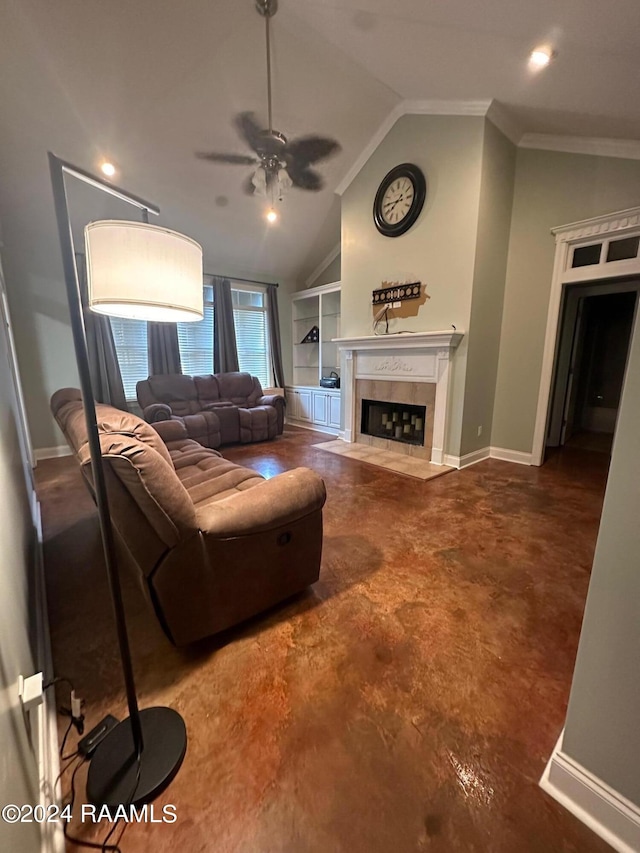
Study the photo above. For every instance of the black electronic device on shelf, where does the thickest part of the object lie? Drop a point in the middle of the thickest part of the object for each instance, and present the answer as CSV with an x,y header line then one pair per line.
x,y
330,381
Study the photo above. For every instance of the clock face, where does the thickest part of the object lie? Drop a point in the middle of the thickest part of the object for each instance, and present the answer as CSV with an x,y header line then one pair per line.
x,y
399,200
396,201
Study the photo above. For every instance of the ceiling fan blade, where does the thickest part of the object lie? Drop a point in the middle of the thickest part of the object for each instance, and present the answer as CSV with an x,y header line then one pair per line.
x,y
248,129
240,159
305,179
248,187
311,149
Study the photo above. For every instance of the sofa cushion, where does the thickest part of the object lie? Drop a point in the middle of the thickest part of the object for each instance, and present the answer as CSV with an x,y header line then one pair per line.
x,y
177,391
207,389
258,423
151,482
242,389
208,477
68,410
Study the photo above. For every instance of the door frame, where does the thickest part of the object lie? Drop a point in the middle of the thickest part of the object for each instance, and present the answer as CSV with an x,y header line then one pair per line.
x,y
599,229
572,296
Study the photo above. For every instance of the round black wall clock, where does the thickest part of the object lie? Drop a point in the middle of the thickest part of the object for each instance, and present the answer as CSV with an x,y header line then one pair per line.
x,y
399,200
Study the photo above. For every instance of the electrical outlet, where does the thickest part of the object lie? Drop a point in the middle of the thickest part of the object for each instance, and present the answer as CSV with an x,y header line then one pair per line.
x,y
30,690
397,305
479,431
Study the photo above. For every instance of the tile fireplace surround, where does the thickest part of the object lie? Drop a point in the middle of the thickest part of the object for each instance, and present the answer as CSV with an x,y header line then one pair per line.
x,y
403,368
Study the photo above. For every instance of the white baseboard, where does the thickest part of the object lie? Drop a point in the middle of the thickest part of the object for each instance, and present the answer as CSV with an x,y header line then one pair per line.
x,y
52,836
511,455
467,459
52,452
314,427
607,813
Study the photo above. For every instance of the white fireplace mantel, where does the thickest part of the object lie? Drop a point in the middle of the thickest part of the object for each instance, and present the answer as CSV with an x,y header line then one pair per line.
x,y
408,357
403,340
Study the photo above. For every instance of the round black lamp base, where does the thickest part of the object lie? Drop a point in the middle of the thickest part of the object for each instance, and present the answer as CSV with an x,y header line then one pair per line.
x,y
114,767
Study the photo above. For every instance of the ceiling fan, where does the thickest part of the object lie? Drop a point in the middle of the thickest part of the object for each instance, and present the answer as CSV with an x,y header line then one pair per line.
x,y
280,163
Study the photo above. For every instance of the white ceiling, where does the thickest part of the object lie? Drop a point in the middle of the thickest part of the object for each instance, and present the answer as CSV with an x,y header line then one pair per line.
x,y
149,82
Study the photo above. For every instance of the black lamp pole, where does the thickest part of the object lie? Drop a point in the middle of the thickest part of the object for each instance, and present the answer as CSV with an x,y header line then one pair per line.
x,y
143,753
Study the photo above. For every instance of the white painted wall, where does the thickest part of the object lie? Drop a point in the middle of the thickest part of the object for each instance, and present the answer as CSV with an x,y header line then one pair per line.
x,y
18,764
602,731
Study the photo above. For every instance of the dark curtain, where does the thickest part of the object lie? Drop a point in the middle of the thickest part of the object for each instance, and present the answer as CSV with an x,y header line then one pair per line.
x,y
225,350
163,349
275,343
106,379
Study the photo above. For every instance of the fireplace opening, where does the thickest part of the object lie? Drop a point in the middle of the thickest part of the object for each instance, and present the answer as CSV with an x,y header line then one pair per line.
x,y
396,421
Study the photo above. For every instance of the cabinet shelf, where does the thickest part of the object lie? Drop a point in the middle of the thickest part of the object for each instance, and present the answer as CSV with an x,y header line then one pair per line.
x,y
309,404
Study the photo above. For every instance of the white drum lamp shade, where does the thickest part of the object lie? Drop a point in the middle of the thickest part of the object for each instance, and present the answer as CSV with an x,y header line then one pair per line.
x,y
143,272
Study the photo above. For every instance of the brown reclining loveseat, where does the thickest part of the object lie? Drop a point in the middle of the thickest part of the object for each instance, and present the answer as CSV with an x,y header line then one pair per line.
x,y
221,408
212,543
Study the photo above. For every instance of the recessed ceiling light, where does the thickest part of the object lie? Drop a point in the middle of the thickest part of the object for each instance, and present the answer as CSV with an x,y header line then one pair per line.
x,y
271,215
540,57
108,169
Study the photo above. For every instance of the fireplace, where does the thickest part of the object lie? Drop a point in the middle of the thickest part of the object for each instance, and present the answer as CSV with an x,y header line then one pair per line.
x,y
400,422
399,371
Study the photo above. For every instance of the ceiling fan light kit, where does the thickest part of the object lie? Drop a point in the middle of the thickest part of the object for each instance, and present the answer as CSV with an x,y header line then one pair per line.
x,y
279,163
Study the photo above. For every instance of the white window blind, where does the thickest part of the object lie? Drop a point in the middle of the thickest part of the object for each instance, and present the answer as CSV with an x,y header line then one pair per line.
x,y
252,333
195,340
130,339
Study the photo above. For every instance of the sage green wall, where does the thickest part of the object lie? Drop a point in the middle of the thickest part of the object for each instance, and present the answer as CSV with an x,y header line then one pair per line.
x,y
494,223
286,288
551,188
602,731
41,321
328,275
440,248
18,763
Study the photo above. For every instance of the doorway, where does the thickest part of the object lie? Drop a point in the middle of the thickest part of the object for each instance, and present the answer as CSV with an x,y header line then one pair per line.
x,y
593,344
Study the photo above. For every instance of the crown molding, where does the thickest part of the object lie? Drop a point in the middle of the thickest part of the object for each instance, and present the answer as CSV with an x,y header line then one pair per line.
x,y
433,108
324,263
627,149
607,223
499,116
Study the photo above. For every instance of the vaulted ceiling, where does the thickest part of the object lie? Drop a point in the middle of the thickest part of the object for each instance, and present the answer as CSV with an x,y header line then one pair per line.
x,y
148,83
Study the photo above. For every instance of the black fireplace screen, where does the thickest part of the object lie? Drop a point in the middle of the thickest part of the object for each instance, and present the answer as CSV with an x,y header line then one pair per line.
x,y
397,421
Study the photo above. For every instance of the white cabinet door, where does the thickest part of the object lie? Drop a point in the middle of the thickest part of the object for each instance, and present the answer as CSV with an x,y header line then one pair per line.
x,y
305,406
320,407
334,410
292,404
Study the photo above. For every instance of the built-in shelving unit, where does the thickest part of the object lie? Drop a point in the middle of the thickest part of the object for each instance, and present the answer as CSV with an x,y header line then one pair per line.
x,y
308,403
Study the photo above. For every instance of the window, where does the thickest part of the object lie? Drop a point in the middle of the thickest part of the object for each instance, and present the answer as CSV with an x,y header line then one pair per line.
x,y
130,339
196,340
252,334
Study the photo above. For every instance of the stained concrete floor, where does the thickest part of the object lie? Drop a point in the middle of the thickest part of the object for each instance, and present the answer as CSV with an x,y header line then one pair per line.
x,y
407,702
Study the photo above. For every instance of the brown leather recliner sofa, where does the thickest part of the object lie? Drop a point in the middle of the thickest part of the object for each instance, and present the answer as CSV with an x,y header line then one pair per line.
x,y
221,408
212,543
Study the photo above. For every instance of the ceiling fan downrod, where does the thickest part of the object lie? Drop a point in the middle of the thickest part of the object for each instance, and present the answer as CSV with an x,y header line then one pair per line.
x,y
268,8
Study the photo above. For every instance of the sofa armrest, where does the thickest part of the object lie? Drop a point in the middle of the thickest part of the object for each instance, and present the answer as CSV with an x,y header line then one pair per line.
x,y
276,502
271,400
157,412
173,430
220,404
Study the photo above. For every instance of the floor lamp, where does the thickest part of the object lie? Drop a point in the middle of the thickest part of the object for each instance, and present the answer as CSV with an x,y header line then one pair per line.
x,y
146,272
